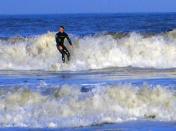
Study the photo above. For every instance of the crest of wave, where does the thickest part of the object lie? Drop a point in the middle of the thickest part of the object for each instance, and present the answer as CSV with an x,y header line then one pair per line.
x,y
90,52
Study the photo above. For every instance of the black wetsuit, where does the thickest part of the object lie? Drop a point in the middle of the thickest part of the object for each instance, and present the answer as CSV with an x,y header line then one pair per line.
x,y
60,37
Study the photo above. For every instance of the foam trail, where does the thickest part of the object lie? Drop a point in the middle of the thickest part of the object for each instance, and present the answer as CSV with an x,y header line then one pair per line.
x,y
71,106
90,52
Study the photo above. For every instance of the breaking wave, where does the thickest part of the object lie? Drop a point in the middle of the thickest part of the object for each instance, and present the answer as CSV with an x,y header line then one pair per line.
x,y
76,105
90,52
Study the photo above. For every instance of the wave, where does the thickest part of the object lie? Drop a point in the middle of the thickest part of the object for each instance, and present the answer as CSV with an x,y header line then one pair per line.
x,y
76,105
90,52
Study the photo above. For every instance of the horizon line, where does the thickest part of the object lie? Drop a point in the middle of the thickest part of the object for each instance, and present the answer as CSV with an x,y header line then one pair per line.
x,y
144,12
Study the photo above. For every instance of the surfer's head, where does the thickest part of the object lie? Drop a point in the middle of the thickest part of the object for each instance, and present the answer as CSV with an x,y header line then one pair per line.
x,y
61,29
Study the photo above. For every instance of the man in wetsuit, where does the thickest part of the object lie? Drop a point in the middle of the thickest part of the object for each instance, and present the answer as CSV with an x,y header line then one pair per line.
x,y
60,37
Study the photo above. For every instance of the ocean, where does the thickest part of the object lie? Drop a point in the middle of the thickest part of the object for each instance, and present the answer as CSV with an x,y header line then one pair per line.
x,y
122,73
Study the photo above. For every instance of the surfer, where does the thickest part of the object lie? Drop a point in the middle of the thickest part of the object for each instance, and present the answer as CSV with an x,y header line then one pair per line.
x,y
60,37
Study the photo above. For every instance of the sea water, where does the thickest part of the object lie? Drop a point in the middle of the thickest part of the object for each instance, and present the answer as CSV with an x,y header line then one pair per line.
x,y
122,73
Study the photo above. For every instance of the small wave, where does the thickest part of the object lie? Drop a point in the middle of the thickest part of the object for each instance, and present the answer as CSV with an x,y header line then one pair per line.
x,y
90,52
71,106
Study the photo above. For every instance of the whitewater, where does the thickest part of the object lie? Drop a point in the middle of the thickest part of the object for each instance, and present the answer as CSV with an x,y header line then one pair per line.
x,y
90,52
76,106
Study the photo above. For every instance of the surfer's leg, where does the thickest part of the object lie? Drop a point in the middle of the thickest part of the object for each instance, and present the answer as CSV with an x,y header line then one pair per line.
x,y
66,52
63,57
63,53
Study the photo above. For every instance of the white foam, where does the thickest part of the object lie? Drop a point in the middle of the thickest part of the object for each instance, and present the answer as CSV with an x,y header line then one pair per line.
x,y
90,52
67,106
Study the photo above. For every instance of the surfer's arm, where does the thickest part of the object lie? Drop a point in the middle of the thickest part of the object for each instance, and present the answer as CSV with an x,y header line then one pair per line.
x,y
70,42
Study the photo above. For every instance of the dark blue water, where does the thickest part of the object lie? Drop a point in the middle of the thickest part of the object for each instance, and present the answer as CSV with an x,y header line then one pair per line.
x,y
85,24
